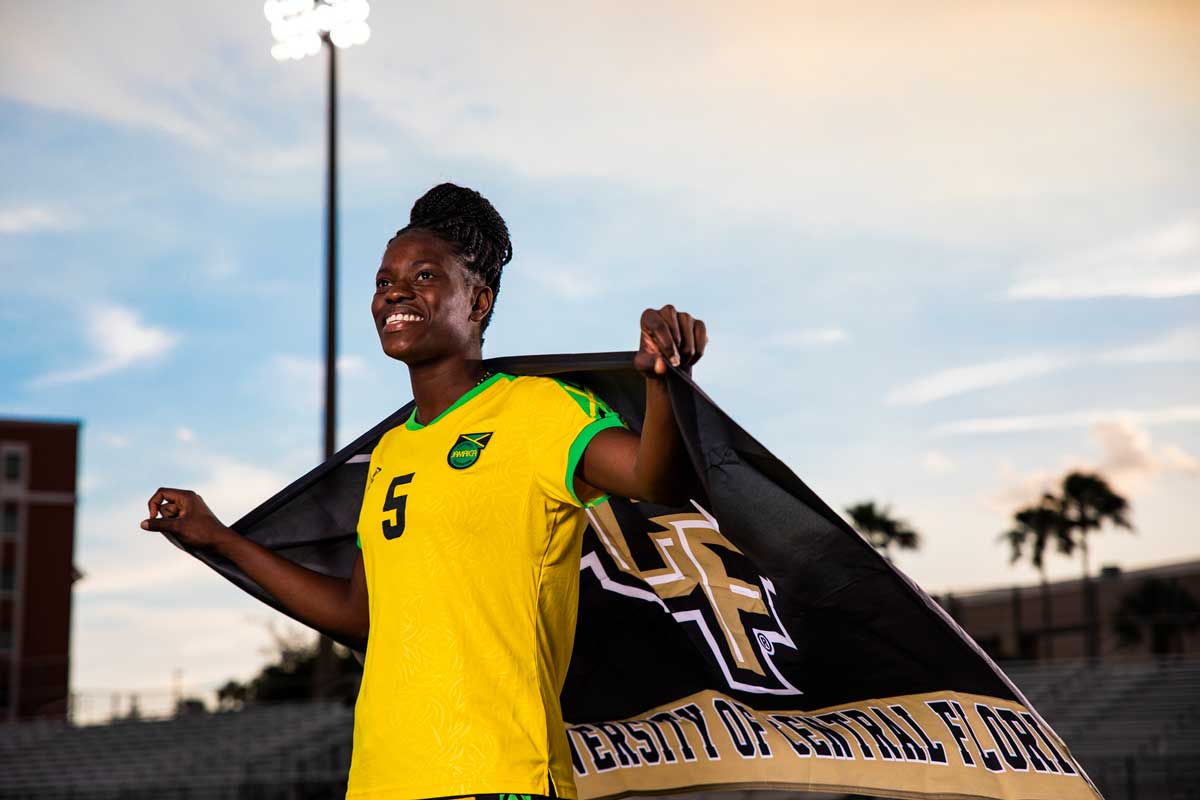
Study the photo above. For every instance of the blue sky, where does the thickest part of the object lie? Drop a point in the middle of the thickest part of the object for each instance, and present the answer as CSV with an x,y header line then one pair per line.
x,y
943,256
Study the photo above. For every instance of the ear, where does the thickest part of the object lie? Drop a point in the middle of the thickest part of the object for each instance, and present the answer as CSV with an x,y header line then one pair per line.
x,y
482,304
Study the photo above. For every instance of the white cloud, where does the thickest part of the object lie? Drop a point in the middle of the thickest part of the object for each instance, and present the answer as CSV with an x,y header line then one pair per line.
x,y
809,338
208,645
1020,489
1126,455
959,380
32,219
312,370
1071,419
937,462
1180,345
1177,459
1162,263
232,487
185,434
1128,460
114,439
568,283
926,125
120,339
140,574
1177,346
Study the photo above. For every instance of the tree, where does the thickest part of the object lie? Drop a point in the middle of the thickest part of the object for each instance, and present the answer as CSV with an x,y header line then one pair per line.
x,y
189,707
1087,504
232,696
1163,609
881,529
1034,528
289,678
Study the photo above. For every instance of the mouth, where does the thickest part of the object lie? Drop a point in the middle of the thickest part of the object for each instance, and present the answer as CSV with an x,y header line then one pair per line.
x,y
398,320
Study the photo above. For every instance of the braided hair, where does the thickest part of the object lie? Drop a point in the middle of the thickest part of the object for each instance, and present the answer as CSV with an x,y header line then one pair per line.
x,y
471,226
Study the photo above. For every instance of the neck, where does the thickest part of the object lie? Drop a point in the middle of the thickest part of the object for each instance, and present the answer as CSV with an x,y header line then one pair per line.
x,y
437,384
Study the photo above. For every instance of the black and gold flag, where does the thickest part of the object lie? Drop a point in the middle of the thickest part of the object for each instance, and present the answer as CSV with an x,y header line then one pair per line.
x,y
750,639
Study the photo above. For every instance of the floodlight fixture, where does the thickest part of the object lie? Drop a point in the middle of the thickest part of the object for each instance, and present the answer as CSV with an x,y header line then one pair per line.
x,y
299,26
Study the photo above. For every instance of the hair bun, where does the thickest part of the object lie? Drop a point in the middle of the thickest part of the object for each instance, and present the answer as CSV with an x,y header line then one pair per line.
x,y
472,226
469,220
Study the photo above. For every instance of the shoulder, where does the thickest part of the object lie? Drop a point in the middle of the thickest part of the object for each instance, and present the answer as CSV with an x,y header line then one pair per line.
x,y
556,393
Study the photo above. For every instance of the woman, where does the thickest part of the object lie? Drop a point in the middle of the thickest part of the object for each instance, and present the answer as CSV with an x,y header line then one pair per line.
x,y
470,526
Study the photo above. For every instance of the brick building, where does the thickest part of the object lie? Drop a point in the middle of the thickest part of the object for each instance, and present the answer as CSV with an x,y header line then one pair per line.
x,y
38,462
1025,622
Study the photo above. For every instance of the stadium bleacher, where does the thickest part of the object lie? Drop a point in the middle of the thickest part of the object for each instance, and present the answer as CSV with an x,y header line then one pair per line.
x,y
283,751
1134,725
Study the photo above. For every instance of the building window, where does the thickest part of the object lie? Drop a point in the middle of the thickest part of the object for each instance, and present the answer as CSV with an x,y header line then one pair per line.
x,y
5,639
9,519
8,579
12,466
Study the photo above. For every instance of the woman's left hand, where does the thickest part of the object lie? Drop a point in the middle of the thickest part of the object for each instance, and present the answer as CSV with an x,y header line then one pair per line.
x,y
669,336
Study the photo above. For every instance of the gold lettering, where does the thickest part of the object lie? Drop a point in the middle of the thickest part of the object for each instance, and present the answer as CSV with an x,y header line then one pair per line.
x,y
688,545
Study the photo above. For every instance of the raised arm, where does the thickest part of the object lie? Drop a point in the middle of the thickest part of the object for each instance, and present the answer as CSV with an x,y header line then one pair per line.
x,y
334,605
653,466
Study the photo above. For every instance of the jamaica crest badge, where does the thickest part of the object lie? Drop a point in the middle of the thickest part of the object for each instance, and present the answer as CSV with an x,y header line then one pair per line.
x,y
466,450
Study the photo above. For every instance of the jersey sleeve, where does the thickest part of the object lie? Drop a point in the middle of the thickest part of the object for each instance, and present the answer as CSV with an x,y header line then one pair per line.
x,y
568,418
362,511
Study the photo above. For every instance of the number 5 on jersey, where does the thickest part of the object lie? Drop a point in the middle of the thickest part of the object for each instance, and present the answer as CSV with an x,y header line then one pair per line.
x,y
395,502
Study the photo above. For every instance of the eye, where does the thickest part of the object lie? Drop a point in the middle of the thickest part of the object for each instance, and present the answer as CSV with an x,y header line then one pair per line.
x,y
424,275
381,283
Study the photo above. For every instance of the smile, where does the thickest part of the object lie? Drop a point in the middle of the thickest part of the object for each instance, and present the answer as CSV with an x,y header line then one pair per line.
x,y
395,322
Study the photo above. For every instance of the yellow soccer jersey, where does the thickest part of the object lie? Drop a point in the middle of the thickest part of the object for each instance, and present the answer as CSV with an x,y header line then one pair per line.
x,y
471,535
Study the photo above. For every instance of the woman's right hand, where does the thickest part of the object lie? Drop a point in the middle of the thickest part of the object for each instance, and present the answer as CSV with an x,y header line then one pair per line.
x,y
184,514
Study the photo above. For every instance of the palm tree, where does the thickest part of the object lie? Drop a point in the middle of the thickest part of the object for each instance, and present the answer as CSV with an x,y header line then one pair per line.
x,y
1163,608
1035,527
881,529
1088,503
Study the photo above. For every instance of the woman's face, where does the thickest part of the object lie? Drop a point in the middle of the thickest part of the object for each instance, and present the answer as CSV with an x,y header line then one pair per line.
x,y
427,305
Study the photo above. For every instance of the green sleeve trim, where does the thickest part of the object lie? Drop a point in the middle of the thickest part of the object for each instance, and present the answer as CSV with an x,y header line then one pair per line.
x,y
358,540
582,440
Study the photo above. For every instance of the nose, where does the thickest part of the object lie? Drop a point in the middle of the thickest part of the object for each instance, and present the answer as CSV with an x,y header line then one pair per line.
x,y
399,290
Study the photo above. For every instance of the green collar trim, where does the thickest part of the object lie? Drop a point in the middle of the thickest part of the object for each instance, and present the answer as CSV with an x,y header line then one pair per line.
x,y
412,423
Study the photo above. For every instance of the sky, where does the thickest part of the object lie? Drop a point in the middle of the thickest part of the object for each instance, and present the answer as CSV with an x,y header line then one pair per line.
x,y
945,253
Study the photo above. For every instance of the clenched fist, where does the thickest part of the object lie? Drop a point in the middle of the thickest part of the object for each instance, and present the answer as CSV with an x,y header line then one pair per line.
x,y
184,514
669,336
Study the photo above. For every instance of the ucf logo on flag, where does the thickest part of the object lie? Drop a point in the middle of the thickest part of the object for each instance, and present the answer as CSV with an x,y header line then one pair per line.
x,y
750,639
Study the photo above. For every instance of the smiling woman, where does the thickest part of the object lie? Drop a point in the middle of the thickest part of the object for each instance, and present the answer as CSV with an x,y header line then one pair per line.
x,y
471,524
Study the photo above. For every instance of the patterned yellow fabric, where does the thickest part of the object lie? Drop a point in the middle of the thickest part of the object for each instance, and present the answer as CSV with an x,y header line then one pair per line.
x,y
471,533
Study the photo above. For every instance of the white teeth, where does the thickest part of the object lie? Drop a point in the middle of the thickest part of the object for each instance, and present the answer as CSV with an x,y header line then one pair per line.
x,y
403,318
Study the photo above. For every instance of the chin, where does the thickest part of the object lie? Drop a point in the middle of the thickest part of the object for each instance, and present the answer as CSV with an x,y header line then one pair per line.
x,y
394,347
404,354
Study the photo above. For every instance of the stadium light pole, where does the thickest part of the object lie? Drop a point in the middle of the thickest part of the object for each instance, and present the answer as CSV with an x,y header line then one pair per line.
x,y
300,28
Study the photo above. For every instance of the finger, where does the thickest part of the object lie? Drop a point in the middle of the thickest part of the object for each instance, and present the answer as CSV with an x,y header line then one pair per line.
x,y
165,494
687,342
648,343
657,333
701,336
170,510
161,525
153,503
671,317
